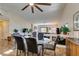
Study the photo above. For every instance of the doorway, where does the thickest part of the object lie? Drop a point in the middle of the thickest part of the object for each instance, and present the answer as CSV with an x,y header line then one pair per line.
x,y
4,29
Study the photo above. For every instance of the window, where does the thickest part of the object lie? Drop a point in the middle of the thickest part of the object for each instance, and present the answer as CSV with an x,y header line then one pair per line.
x,y
76,21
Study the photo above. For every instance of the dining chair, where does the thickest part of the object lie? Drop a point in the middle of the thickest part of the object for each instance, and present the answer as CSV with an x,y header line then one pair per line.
x,y
20,45
52,45
40,36
34,34
32,46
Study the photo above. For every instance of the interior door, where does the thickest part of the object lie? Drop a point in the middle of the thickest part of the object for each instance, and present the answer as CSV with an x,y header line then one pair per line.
x,y
4,29
1,30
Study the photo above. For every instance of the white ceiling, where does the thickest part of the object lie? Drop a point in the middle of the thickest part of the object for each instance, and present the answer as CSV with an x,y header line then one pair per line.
x,y
50,12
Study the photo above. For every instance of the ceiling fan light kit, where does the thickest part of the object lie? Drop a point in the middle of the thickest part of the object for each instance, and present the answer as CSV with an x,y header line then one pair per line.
x,y
31,4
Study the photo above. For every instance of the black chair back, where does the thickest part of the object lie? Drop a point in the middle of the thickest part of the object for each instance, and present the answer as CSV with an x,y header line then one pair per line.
x,y
34,34
20,43
32,45
40,36
57,30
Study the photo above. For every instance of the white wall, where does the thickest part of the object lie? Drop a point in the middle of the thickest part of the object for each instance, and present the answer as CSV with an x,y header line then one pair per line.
x,y
67,16
15,21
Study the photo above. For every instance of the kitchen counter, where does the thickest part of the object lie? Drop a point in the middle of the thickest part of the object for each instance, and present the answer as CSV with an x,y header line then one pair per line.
x,y
72,47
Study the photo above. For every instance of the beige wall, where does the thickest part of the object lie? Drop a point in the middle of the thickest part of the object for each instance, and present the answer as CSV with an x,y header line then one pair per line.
x,y
67,16
15,20
17,23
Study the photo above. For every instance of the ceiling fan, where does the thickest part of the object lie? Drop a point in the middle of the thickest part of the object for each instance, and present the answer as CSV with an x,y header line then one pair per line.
x,y
1,14
35,5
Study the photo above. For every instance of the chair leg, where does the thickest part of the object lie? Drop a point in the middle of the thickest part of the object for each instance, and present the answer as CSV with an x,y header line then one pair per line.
x,y
27,53
24,53
54,53
20,52
17,52
32,54
43,52
38,54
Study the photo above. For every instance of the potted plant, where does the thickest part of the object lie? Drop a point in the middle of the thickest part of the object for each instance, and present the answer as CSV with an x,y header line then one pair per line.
x,y
15,30
24,30
64,29
30,30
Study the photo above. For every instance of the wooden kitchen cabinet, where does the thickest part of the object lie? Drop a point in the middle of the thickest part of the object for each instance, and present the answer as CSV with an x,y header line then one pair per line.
x,y
72,48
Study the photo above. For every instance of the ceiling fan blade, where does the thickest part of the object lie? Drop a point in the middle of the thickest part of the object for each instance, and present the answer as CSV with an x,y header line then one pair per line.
x,y
32,9
1,14
25,7
47,4
38,8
